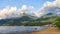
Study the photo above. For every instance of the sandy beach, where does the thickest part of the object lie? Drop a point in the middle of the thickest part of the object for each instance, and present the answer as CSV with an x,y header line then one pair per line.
x,y
50,30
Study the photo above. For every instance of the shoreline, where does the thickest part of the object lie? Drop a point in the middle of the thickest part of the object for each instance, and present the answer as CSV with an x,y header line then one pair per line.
x,y
50,30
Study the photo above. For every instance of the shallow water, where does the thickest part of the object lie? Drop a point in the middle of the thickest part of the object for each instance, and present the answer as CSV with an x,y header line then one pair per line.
x,y
7,29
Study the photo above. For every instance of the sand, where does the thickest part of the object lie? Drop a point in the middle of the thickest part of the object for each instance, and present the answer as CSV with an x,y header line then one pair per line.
x,y
50,30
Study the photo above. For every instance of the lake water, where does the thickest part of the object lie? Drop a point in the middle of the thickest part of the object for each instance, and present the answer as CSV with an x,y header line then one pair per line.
x,y
7,29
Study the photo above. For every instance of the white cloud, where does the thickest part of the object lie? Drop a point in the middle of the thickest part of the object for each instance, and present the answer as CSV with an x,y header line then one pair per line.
x,y
10,12
24,7
49,6
7,12
27,8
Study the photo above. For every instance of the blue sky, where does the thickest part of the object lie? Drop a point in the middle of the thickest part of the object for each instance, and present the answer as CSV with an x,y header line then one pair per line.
x,y
38,7
37,4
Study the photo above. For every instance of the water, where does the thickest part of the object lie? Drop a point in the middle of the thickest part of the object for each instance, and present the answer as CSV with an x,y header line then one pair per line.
x,y
7,29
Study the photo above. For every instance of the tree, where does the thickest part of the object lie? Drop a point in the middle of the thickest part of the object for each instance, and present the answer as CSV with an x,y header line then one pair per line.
x,y
57,22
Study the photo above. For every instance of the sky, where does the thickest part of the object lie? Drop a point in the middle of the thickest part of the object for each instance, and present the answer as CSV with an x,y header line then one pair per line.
x,y
19,3
13,8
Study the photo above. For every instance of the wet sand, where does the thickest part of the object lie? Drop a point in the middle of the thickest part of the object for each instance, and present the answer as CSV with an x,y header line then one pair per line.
x,y
50,30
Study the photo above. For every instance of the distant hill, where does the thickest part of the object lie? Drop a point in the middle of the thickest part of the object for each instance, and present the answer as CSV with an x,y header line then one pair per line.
x,y
15,20
46,19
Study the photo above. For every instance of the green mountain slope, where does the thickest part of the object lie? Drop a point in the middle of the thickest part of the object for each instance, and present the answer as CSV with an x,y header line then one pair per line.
x,y
27,20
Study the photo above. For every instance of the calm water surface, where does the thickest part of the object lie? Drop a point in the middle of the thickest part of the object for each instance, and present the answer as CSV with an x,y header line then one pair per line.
x,y
6,29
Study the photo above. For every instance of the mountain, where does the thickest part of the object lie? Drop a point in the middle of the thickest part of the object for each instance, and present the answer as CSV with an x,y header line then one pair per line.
x,y
17,21
29,20
48,18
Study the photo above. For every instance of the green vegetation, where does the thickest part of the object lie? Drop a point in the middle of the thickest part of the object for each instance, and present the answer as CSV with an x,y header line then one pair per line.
x,y
27,20
57,22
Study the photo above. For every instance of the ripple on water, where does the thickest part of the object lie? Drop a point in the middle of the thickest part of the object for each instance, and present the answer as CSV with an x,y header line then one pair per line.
x,y
5,29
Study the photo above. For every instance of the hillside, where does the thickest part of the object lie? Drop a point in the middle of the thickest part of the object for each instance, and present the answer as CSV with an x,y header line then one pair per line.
x,y
27,20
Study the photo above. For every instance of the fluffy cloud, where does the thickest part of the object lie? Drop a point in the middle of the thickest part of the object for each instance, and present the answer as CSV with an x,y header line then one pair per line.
x,y
7,12
25,7
10,12
49,7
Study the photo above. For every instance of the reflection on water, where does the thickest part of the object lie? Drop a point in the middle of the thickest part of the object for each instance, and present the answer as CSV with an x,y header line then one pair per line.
x,y
7,29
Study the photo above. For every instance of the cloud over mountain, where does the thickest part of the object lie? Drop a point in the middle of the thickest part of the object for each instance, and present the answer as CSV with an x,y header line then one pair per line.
x,y
10,12
49,7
